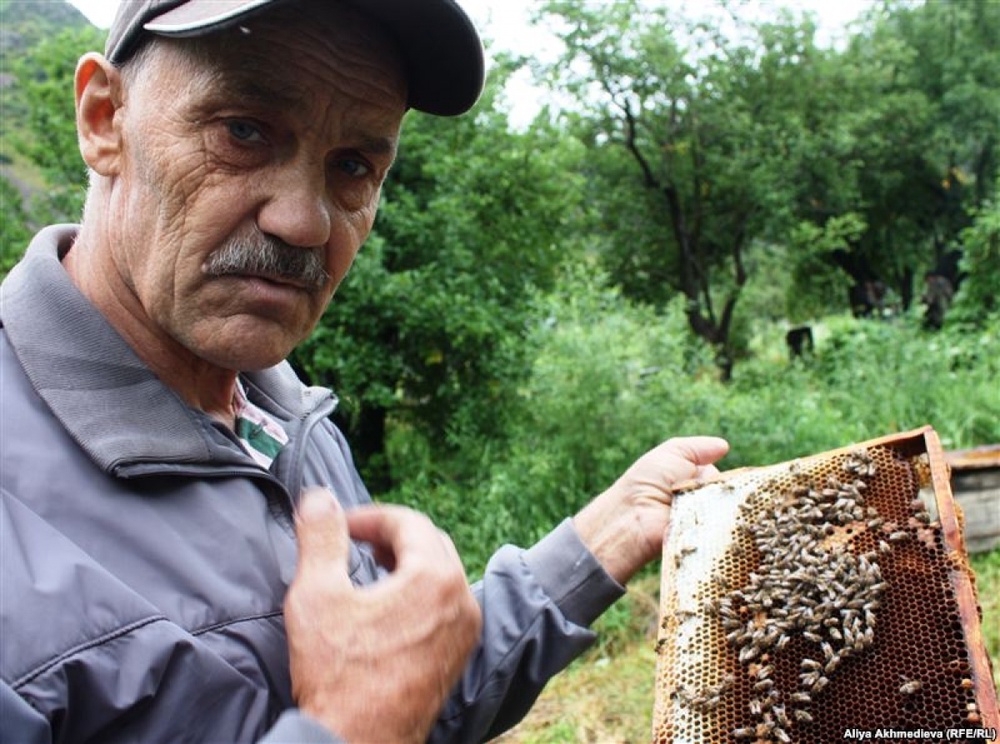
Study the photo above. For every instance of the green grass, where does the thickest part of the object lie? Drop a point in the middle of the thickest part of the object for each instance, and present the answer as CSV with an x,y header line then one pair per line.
x,y
606,696
987,568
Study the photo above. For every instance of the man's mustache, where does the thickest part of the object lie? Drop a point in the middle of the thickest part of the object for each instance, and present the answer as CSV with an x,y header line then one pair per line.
x,y
259,254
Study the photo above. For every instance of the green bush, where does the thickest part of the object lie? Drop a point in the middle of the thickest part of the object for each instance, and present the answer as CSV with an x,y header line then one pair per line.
x,y
609,379
978,297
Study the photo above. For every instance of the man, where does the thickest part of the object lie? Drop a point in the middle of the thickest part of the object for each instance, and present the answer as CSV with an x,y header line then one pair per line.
x,y
174,565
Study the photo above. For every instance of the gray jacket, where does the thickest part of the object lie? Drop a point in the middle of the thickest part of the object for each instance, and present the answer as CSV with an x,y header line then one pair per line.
x,y
145,556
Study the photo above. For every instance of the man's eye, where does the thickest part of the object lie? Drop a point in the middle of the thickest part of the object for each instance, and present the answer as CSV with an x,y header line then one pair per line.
x,y
353,167
244,131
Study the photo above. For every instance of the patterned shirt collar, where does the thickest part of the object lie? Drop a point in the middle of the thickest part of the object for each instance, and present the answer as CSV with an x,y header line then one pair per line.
x,y
261,436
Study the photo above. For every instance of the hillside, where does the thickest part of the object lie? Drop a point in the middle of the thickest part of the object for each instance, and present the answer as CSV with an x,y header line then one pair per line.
x,y
24,26
24,23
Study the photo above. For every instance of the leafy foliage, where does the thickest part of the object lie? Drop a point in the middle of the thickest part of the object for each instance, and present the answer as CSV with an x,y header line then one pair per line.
x,y
712,139
45,119
865,160
979,297
608,379
818,282
423,331
14,233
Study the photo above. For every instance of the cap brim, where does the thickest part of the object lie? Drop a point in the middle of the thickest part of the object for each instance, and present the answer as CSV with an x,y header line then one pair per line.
x,y
194,19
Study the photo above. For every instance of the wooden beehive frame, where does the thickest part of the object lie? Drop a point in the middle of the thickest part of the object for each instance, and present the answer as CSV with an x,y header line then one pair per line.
x,y
704,685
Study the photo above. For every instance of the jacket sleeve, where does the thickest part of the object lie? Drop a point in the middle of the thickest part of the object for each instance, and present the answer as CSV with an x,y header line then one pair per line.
x,y
19,722
297,728
537,604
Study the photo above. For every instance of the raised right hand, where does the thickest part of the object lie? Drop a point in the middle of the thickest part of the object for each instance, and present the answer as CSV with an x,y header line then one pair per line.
x,y
376,663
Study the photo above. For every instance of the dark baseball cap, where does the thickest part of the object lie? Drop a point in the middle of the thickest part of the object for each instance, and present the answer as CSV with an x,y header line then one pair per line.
x,y
441,49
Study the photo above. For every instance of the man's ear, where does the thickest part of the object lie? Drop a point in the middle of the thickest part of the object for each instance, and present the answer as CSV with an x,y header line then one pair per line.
x,y
98,99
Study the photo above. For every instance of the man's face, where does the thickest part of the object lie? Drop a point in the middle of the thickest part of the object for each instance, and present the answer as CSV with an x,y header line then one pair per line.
x,y
271,144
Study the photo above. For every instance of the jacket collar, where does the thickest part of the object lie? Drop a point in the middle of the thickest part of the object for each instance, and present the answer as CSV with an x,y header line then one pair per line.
x,y
99,389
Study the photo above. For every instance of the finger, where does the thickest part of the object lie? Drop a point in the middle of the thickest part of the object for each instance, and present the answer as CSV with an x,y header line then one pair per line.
x,y
699,450
396,532
707,472
321,530
449,546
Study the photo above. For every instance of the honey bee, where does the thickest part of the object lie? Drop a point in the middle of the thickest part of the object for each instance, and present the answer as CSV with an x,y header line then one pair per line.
x,y
747,653
764,671
911,687
802,716
779,713
764,729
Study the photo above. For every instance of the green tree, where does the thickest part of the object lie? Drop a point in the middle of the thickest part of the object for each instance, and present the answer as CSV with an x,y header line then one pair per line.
x,y
474,220
979,297
46,131
14,232
921,92
712,127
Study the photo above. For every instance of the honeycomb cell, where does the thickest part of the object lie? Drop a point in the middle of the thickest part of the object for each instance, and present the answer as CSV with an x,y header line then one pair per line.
x,y
804,599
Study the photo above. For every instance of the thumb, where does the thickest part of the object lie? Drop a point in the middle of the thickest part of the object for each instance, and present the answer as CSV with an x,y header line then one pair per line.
x,y
321,528
699,450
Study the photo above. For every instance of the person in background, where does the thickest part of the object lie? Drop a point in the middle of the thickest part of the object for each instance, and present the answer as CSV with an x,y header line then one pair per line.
x,y
188,553
937,297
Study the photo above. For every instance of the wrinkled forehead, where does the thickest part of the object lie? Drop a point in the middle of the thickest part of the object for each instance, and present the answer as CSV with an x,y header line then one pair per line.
x,y
283,58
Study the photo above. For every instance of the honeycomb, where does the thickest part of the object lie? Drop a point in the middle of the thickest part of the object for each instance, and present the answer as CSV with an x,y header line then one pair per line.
x,y
806,601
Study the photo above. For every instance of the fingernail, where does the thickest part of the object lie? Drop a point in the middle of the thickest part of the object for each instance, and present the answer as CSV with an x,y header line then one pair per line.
x,y
316,501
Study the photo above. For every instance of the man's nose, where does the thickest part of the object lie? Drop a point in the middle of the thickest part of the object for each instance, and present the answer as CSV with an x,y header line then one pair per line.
x,y
299,208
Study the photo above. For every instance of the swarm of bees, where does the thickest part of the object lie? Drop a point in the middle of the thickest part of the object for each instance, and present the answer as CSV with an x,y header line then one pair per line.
x,y
806,586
